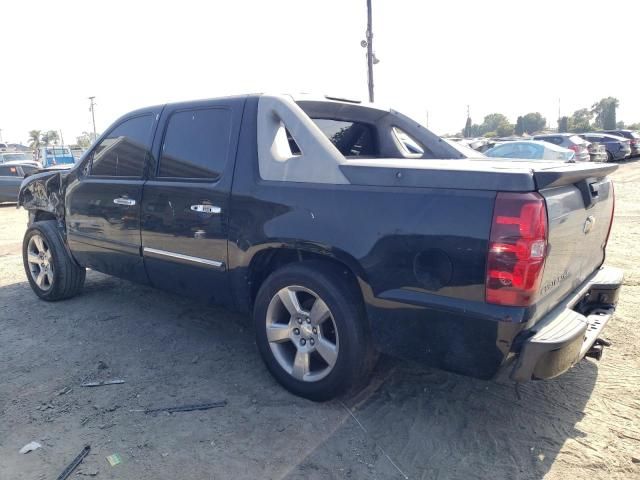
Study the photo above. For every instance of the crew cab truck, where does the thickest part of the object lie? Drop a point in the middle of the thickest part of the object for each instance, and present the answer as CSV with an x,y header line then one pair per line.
x,y
345,229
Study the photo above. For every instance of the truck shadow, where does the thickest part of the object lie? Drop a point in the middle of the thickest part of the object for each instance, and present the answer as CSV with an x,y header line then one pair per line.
x,y
434,424
422,422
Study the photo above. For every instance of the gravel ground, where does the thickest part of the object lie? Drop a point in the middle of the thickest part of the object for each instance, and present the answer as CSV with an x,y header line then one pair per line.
x,y
411,422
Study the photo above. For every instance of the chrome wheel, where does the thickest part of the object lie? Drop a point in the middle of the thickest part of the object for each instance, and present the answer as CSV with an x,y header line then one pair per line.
x,y
302,333
40,262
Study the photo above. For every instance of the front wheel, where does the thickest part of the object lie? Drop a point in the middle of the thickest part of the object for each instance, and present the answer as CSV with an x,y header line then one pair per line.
x,y
52,273
311,331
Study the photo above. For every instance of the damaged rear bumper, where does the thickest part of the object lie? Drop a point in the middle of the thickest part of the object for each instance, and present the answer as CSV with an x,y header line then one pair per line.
x,y
564,336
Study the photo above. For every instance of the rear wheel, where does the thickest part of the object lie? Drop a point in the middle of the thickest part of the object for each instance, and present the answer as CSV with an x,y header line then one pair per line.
x,y
311,331
609,157
52,273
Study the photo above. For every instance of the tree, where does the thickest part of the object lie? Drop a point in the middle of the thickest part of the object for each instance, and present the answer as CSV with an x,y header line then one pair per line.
x,y
85,140
467,128
34,139
620,125
605,112
634,126
580,121
533,122
505,129
563,124
519,126
492,122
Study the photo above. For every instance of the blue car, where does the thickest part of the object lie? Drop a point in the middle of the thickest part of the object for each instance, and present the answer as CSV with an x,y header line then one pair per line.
x,y
618,148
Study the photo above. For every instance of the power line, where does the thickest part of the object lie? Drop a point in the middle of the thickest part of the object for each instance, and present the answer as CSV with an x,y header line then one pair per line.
x,y
92,106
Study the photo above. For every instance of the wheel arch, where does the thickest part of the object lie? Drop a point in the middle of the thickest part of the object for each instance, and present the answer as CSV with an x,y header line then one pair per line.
x,y
269,259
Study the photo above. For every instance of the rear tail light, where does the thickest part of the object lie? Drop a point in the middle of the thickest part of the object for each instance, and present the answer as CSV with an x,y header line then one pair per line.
x,y
517,249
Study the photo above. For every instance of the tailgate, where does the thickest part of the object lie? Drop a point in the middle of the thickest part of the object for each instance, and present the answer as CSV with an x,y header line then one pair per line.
x,y
579,213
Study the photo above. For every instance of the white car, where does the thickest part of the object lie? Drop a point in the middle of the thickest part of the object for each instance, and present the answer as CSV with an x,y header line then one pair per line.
x,y
532,150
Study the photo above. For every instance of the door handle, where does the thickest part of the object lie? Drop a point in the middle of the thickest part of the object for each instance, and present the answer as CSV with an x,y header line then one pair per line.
x,y
124,201
206,209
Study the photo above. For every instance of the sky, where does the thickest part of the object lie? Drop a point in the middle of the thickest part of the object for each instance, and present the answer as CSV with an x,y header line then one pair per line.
x,y
435,56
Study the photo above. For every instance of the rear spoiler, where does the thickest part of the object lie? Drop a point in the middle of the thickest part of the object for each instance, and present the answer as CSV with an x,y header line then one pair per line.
x,y
571,173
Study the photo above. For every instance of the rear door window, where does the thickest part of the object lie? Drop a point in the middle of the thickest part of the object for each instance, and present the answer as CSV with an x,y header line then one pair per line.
x,y
123,153
352,139
196,144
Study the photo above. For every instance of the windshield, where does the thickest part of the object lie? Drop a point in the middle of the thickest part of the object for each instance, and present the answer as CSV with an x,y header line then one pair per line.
x,y
15,157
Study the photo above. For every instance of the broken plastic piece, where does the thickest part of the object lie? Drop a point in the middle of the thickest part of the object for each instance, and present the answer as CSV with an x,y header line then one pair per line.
x,y
114,459
30,447
188,408
74,464
100,384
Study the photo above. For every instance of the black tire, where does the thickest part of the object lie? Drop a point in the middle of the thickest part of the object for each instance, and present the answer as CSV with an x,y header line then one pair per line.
x,y
67,276
609,157
356,355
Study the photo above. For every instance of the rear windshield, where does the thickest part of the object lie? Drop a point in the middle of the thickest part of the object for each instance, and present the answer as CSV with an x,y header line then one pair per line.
x,y
352,139
576,139
635,135
58,152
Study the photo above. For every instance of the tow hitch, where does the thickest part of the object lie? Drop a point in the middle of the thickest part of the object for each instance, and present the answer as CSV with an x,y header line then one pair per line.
x,y
597,348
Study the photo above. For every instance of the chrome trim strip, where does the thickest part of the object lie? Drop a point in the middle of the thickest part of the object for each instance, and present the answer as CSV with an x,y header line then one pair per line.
x,y
186,258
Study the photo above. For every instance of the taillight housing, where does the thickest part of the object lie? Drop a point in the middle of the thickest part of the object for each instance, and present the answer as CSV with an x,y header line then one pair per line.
x,y
517,249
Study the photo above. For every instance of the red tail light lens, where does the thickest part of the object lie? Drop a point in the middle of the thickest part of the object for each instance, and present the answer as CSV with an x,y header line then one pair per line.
x,y
517,249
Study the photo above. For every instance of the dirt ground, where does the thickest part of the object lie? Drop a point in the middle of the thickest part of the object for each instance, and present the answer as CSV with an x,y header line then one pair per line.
x,y
411,422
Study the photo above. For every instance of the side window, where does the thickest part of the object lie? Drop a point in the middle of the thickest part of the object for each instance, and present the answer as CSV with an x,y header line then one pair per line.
x,y
407,143
124,151
196,144
8,171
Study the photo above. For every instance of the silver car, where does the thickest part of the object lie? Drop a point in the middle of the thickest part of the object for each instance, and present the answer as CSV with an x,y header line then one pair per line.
x,y
570,141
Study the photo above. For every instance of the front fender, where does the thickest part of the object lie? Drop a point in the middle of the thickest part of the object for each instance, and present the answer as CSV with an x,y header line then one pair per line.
x,y
43,191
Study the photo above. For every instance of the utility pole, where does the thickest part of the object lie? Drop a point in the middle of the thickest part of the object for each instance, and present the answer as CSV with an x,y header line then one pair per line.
x,y
369,51
92,105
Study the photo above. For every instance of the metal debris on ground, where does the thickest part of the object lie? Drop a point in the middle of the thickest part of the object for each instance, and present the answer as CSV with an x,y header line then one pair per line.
x,y
188,408
74,464
102,383
30,447
114,459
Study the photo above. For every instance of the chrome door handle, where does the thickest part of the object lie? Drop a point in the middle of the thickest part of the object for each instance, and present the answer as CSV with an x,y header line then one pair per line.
x,y
206,208
124,201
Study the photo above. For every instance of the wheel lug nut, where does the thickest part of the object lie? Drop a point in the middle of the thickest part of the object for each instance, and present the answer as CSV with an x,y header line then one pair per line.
x,y
303,342
308,320
296,331
299,321
312,341
314,330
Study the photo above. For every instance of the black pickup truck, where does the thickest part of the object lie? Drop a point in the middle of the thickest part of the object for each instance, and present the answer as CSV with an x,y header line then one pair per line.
x,y
346,229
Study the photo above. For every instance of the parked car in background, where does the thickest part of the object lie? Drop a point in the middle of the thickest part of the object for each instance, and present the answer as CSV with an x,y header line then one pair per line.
x,y
11,175
531,149
570,141
597,152
55,156
632,136
16,157
618,148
